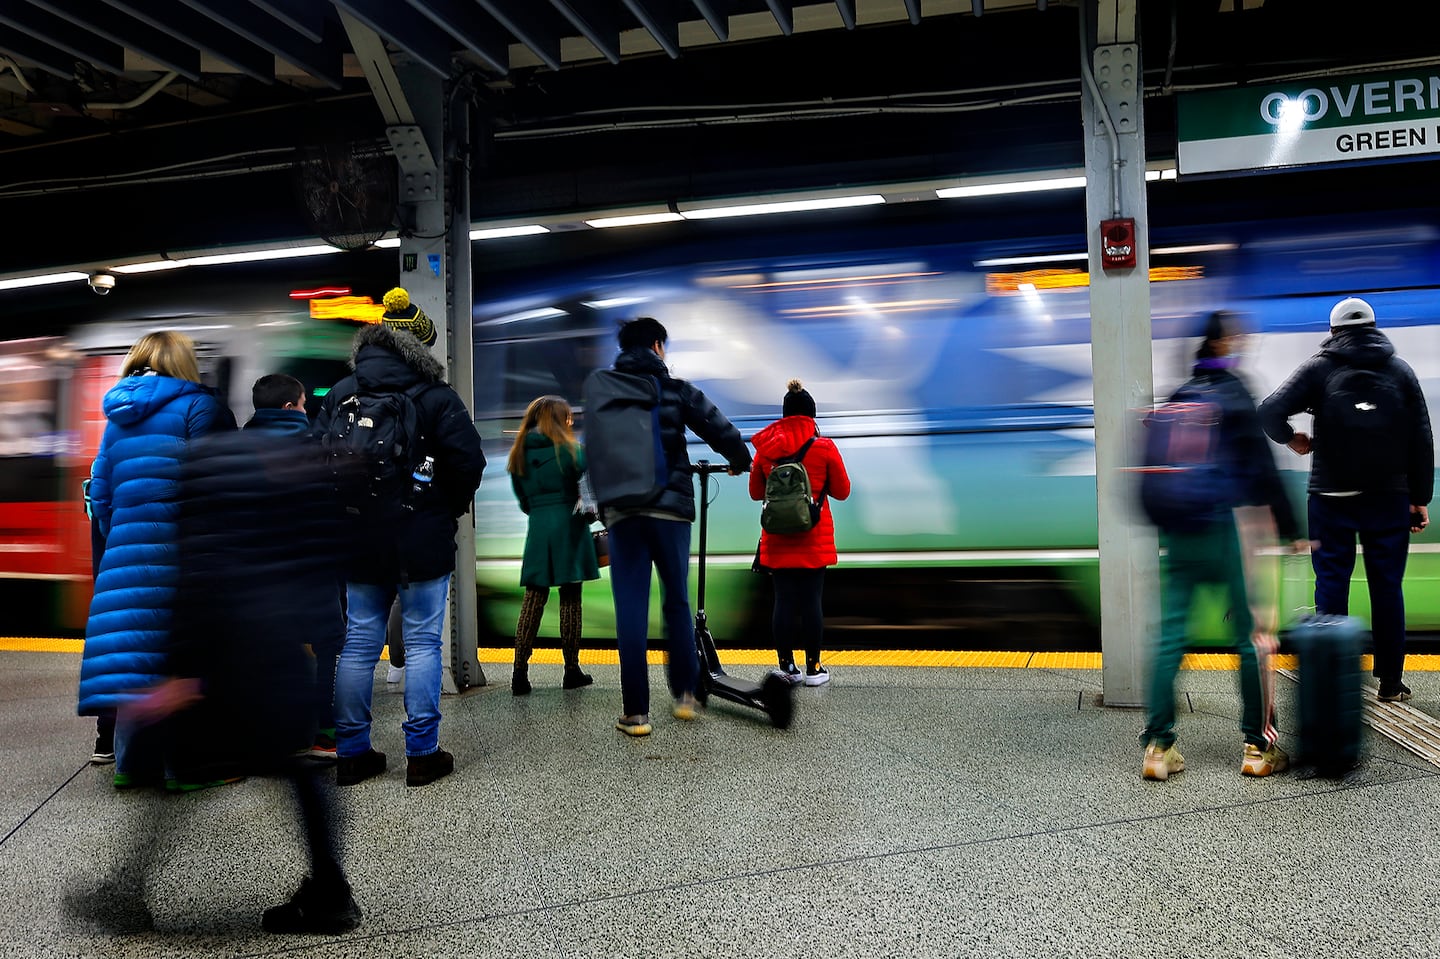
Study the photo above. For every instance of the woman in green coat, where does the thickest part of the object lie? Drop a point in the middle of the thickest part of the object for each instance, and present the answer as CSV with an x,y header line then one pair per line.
x,y
545,466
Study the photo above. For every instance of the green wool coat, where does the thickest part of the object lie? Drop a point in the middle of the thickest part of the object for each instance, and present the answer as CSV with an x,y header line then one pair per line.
x,y
558,547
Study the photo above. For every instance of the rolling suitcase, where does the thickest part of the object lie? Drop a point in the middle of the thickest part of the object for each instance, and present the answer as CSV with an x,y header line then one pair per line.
x,y
1328,649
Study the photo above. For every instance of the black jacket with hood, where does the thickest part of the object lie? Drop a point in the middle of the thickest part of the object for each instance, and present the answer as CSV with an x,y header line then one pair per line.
x,y
682,405
1304,392
391,544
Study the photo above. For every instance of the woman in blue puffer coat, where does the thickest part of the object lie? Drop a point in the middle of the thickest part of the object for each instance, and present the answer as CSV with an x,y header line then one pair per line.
x,y
155,409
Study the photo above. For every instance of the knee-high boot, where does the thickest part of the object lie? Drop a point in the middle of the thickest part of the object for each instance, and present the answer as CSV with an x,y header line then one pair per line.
x,y
571,622
532,607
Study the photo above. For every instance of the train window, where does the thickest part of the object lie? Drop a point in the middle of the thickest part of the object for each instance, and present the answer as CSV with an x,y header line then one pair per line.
x,y
554,364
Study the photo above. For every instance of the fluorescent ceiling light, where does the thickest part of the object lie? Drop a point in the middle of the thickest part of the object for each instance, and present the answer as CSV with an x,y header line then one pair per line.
x,y
43,280
529,229
152,266
389,243
257,256
1011,186
633,219
783,206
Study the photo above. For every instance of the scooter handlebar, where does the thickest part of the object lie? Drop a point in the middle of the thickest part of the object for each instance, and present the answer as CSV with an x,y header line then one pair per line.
x,y
707,468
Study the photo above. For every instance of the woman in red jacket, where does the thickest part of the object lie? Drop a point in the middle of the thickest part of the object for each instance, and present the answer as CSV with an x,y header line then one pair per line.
x,y
797,561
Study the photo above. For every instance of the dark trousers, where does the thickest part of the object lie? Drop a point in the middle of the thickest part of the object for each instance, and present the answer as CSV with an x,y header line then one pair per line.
x,y
1381,521
799,618
637,543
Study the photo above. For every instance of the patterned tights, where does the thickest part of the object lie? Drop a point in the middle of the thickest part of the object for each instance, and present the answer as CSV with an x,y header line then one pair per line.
x,y
533,607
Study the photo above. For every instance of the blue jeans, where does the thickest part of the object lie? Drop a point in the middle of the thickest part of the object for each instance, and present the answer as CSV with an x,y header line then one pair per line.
x,y
422,608
1382,523
635,543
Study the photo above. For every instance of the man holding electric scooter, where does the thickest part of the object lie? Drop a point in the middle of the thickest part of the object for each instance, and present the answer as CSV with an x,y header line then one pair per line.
x,y
636,414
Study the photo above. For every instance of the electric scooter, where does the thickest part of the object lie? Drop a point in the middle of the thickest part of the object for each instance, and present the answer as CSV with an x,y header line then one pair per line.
x,y
773,694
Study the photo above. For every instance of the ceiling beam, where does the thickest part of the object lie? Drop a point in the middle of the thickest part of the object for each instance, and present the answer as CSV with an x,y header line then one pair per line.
x,y
37,53
596,22
73,38
784,13
717,14
470,26
520,18
417,36
323,61
202,32
152,44
660,20
306,17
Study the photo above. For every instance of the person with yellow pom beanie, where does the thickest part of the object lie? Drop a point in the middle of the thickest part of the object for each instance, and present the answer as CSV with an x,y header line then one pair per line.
x,y
401,314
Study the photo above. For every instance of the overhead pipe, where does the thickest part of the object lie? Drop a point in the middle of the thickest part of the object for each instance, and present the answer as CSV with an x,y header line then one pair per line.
x,y
1104,113
155,88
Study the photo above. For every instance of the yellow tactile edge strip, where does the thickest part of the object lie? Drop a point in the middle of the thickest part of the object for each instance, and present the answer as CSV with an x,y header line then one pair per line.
x,y
879,657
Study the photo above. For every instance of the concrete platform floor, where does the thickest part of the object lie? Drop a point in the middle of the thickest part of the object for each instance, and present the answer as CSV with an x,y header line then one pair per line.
x,y
908,812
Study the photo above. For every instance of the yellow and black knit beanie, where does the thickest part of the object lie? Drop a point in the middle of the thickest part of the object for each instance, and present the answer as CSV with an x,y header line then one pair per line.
x,y
401,314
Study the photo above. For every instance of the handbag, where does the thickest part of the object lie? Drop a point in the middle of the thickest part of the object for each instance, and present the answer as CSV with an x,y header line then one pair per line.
x,y
601,538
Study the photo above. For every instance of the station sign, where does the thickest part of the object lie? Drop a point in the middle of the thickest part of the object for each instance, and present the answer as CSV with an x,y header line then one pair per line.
x,y
1360,118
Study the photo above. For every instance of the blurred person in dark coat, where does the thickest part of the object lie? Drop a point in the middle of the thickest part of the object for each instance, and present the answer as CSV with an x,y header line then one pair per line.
x,y
260,541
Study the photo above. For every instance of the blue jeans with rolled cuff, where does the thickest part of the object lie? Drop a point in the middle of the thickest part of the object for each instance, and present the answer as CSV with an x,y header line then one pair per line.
x,y
422,608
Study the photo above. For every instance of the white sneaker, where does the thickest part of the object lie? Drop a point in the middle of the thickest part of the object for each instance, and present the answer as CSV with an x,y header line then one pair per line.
x,y
395,674
816,675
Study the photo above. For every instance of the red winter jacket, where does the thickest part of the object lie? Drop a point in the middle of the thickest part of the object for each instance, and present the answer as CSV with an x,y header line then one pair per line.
x,y
815,547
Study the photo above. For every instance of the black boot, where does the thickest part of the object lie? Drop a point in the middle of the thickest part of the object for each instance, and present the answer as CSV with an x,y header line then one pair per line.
x,y
520,681
423,770
574,678
350,770
316,909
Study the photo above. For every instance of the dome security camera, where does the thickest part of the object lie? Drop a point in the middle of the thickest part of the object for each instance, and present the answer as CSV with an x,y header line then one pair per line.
x,y
102,283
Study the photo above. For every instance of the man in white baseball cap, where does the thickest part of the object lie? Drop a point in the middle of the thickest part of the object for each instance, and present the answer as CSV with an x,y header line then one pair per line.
x,y
1372,475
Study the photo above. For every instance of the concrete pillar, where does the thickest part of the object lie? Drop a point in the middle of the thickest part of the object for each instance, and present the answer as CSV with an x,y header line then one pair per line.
x,y
1120,341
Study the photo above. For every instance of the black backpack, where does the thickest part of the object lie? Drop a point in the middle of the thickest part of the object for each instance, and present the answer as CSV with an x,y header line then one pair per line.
x,y
626,458
789,505
373,445
1364,423
1184,483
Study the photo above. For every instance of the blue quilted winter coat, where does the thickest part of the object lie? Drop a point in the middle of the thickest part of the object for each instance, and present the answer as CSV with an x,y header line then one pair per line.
x,y
133,492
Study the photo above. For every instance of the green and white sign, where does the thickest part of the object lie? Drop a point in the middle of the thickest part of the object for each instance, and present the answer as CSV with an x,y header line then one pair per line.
x,y
1367,117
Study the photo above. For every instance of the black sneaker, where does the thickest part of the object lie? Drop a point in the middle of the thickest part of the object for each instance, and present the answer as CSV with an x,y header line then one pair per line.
x,y
1396,692
423,770
792,673
520,681
314,911
574,678
350,770
816,675
104,753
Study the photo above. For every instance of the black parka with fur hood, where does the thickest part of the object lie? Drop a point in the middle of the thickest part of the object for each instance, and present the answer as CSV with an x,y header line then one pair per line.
x,y
393,545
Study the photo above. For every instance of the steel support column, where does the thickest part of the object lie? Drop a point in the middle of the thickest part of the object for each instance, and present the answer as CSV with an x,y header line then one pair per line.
x,y
435,269
1120,340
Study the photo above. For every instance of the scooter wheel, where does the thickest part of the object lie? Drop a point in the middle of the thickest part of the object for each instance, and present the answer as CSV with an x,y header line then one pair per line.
x,y
778,696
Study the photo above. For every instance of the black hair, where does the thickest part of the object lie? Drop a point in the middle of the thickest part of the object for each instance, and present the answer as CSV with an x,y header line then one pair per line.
x,y
1217,326
641,332
274,390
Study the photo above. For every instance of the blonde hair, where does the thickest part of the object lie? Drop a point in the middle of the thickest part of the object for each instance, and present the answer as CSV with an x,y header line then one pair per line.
x,y
168,353
549,415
